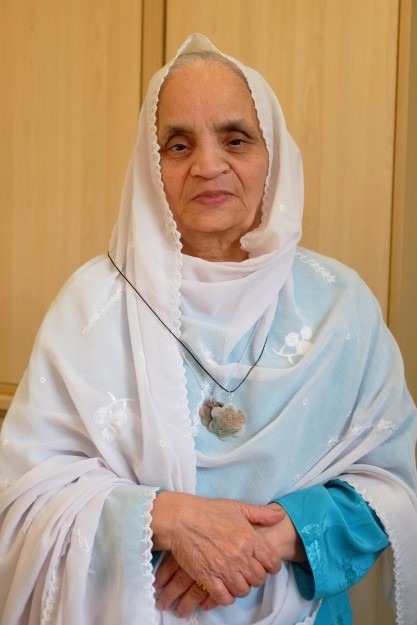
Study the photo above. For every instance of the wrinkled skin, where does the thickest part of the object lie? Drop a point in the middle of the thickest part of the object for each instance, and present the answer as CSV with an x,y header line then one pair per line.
x,y
224,544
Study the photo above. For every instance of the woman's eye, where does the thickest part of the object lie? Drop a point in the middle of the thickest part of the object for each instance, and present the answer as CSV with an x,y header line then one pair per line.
x,y
237,143
177,147
174,149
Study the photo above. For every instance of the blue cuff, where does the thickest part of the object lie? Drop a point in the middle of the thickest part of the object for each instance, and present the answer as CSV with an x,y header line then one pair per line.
x,y
342,537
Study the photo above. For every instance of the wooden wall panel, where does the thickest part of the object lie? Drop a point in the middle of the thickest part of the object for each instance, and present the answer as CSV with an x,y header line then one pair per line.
x,y
403,284
70,85
333,67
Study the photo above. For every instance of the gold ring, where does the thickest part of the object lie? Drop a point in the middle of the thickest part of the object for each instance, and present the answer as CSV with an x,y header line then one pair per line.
x,y
201,586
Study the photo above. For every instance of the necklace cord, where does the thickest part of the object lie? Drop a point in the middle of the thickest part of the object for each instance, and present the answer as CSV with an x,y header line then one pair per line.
x,y
183,345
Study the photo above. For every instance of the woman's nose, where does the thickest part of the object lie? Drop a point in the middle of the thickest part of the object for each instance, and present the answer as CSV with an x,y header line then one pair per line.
x,y
209,161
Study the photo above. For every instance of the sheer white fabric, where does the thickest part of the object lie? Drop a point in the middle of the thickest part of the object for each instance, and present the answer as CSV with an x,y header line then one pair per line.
x,y
106,412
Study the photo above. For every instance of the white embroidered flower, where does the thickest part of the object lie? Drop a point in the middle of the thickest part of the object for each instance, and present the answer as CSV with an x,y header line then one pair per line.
x,y
292,339
296,344
112,418
306,333
303,347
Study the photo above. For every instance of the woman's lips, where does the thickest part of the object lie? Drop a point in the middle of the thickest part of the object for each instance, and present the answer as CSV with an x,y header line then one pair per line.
x,y
213,198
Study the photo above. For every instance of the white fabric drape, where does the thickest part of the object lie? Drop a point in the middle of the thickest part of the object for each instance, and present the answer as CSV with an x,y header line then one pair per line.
x,y
106,412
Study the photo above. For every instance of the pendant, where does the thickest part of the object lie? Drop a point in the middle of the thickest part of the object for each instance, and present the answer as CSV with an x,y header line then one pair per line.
x,y
225,420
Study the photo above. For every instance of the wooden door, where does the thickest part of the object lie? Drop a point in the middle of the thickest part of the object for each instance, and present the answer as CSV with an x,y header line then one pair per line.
x,y
70,89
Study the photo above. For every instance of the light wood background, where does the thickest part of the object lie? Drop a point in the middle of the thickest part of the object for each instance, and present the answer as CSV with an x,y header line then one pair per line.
x,y
70,95
72,75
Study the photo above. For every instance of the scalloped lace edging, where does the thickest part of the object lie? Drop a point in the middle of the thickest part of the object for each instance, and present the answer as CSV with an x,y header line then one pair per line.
x,y
148,573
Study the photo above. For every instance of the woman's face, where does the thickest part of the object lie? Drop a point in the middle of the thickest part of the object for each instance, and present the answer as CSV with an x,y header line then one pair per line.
x,y
213,157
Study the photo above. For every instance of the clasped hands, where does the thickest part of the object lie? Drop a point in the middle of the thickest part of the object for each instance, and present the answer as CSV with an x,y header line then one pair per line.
x,y
225,545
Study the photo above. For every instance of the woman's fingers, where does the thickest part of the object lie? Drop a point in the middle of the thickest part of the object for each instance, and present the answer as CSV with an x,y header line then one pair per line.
x,y
208,604
174,586
178,586
214,541
190,601
165,571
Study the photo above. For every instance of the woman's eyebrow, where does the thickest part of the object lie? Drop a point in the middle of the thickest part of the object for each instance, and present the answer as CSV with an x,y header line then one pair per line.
x,y
228,125
235,125
173,130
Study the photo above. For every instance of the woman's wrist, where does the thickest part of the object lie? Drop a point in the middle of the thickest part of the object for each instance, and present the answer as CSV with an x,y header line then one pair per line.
x,y
161,520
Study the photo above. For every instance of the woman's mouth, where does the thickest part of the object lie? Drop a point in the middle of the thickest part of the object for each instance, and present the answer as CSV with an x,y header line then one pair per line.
x,y
213,198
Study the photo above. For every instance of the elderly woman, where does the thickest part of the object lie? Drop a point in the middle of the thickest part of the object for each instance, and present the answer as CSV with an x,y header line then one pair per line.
x,y
214,426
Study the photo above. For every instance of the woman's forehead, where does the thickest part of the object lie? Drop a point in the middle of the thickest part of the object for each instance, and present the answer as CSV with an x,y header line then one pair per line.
x,y
205,89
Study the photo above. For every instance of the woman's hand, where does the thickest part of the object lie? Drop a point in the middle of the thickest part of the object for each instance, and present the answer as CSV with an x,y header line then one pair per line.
x,y
217,542
174,585
284,538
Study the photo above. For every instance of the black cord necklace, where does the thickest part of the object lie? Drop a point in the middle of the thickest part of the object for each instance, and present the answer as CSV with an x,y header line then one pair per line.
x,y
212,411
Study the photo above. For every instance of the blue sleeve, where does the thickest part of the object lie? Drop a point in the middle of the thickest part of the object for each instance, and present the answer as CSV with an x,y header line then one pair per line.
x,y
342,537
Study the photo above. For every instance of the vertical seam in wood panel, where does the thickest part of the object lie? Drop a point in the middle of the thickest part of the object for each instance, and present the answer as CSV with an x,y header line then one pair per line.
x,y
393,250
164,30
153,18
142,52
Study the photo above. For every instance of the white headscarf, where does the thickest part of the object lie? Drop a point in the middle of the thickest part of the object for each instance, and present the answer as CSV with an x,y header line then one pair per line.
x,y
105,414
146,246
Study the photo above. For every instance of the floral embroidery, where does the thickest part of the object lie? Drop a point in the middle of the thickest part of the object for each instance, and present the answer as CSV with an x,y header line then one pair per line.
x,y
97,315
50,599
384,424
329,277
296,344
82,541
112,418
333,440
357,429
